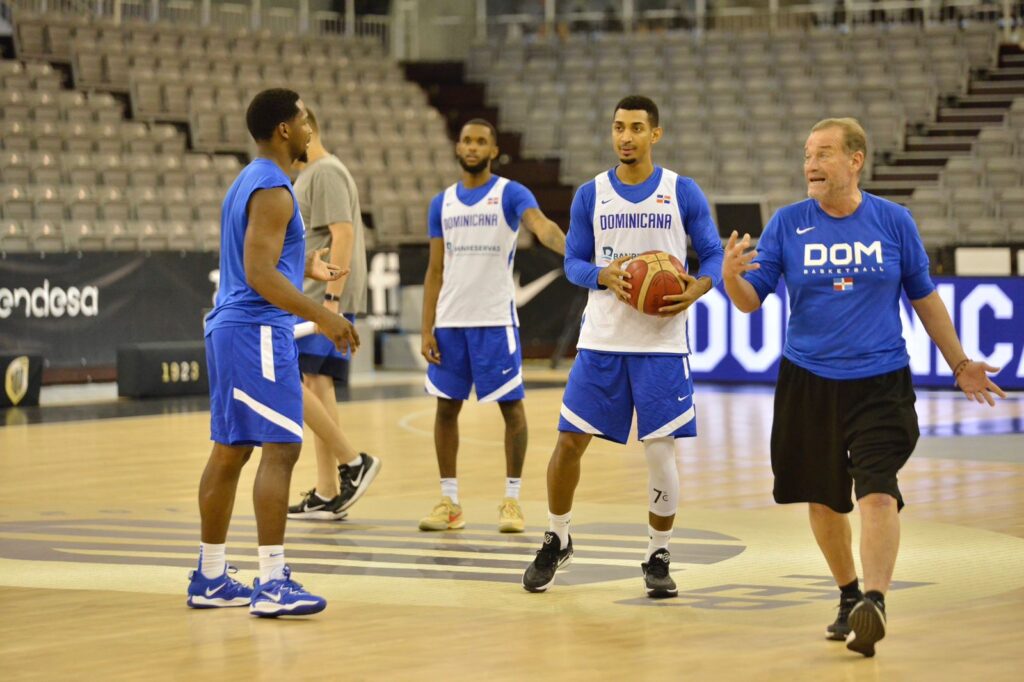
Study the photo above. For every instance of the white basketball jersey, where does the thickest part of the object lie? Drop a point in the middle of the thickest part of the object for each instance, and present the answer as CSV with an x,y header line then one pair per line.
x,y
622,228
479,246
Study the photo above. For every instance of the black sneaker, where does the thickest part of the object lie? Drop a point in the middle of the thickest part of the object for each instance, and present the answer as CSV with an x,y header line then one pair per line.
x,y
541,573
867,623
356,479
839,630
312,507
656,578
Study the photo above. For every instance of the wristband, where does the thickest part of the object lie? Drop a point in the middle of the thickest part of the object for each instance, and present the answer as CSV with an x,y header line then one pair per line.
x,y
332,297
959,369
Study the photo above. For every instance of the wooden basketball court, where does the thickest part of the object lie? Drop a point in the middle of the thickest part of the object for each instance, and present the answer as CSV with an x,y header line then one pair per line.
x,y
99,528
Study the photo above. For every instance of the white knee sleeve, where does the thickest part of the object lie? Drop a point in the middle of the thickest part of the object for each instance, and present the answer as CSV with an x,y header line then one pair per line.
x,y
662,476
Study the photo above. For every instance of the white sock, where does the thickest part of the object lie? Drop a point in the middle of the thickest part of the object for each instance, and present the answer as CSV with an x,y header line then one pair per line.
x,y
212,560
271,562
559,525
512,486
450,488
658,539
322,498
356,462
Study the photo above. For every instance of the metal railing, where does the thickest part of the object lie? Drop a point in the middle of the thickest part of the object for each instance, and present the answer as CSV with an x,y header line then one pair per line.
x,y
292,18
564,17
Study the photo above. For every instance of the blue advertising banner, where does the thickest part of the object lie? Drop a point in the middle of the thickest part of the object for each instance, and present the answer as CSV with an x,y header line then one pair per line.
x,y
988,313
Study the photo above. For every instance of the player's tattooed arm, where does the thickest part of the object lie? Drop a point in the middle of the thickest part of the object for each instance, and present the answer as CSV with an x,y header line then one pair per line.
x,y
547,231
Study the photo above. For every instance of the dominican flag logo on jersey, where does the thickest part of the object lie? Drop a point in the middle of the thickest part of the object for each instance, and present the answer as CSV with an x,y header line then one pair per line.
x,y
842,283
663,199
491,201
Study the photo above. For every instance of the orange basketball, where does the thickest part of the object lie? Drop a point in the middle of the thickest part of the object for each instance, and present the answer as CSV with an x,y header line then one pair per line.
x,y
654,274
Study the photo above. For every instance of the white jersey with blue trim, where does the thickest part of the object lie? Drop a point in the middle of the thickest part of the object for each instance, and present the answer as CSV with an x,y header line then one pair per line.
x,y
479,246
622,227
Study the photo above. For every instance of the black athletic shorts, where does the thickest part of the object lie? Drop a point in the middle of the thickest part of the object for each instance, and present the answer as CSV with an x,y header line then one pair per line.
x,y
829,434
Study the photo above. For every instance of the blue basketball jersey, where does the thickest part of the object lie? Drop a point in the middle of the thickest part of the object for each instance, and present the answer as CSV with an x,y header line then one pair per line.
x,y
237,302
844,277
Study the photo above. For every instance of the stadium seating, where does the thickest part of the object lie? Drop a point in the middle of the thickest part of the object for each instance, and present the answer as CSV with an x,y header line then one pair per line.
x,y
74,158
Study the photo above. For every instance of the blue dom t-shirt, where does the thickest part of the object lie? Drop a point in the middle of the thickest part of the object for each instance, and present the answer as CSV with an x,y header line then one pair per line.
x,y
844,277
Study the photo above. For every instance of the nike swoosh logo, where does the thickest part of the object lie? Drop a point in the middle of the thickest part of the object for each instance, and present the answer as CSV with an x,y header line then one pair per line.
x,y
506,371
605,201
681,399
210,593
359,479
274,597
804,230
528,292
277,555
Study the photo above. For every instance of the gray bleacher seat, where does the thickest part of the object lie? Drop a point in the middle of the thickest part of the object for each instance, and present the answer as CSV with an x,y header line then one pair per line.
x,y
13,238
47,202
972,202
936,231
1001,172
1011,203
47,235
984,230
83,235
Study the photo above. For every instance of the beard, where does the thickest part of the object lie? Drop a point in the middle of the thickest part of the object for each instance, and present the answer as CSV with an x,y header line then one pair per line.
x,y
628,162
303,157
477,169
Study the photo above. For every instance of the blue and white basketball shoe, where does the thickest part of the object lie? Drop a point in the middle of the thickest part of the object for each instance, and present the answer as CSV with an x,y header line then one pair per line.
x,y
215,593
283,597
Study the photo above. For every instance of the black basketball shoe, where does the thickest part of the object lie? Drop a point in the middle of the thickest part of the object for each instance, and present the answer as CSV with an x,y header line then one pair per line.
x,y
867,622
356,479
658,582
312,507
550,557
839,630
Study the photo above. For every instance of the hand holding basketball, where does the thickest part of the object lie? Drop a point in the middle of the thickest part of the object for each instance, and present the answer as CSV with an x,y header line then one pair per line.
x,y
613,278
677,303
660,284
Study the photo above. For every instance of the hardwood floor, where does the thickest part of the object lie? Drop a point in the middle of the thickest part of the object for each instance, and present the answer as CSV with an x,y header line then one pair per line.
x,y
99,527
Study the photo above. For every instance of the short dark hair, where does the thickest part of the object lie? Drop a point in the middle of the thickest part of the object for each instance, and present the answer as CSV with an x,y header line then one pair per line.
x,y
637,103
269,109
481,122
313,123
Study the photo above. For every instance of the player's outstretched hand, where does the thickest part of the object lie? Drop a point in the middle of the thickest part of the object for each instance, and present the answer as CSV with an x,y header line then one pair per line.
x,y
340,331
737,259
429,349
677,303
318,268
973,380
614,278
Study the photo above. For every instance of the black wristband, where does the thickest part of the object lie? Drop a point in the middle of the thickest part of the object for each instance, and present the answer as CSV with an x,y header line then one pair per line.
x,y
332,297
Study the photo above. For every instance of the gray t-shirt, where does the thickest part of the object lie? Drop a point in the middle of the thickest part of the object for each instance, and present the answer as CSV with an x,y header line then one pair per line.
x,y
327,194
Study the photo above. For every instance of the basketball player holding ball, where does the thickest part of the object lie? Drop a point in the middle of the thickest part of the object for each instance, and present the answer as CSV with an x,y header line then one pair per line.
x,y
626,228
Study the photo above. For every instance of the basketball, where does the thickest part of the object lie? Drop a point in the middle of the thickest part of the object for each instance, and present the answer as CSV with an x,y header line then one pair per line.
x,y
654,274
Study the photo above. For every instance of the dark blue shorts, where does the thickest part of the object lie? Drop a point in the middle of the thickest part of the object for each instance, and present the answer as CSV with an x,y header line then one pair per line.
x,y
488,358
604,389
255,386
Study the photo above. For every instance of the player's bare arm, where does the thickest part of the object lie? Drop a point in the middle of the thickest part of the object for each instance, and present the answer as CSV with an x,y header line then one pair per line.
x,y
614,278
546,230
431,290
971,376
737,261
270,210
